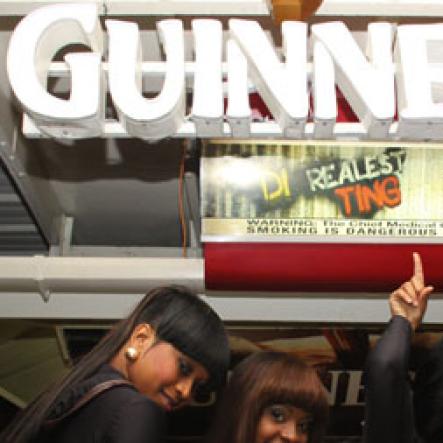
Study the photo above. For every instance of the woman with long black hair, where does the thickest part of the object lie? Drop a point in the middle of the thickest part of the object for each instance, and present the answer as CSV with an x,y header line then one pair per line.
x,y
150,362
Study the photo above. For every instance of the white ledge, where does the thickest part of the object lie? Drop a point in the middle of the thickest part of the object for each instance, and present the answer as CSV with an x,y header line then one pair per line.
x,y
382,8
152,7
266,129
48,275
244,307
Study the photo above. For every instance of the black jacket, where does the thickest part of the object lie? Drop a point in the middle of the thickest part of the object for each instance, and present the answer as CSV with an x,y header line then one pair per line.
x,y
389,411
118,415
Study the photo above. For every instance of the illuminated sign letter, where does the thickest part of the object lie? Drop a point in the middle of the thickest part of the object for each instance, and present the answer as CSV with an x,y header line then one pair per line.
x,y
146,118
207,107
283,86
368,85
419,71
238,112
325,99
34,43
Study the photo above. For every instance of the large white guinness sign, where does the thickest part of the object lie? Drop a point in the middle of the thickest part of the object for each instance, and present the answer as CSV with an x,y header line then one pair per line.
x,y
396,94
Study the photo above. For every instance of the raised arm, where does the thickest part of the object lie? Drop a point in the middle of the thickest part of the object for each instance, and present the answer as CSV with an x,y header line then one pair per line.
x,y
388,412
411,298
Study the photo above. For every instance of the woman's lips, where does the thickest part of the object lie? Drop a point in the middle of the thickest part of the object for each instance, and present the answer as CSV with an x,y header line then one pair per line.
x,y
169,403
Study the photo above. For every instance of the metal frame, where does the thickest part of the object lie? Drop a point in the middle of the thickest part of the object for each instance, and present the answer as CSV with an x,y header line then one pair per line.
x,y
245,307
270,130
385,8
152,7
48,275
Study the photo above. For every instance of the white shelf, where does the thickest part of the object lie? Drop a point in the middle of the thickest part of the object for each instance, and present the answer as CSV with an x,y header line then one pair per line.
x,y
232,307
383,8
151,7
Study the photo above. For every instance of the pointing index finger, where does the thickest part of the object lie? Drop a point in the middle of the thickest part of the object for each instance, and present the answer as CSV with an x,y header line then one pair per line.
x,y
418,268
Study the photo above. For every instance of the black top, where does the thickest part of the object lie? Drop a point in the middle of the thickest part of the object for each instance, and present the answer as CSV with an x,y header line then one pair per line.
x,y
118,415
389,412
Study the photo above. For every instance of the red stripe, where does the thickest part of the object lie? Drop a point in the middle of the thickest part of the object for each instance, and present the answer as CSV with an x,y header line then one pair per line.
x,y
317,267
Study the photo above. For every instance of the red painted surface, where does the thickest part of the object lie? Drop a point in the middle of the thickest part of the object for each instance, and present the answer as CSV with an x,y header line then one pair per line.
x,y
316,267
344,111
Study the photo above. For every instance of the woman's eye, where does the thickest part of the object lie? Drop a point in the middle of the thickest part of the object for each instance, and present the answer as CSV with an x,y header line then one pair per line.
x,y
185,368
200,391
278,414
304,426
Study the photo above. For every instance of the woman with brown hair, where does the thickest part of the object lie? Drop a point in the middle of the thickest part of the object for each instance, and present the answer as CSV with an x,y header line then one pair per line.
x,y
272,397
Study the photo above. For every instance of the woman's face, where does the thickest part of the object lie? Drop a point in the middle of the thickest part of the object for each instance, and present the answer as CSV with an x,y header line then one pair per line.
x,y
167,376
281,423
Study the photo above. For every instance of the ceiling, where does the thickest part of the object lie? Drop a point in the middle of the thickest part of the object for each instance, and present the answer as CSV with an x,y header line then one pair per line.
x,y
19,235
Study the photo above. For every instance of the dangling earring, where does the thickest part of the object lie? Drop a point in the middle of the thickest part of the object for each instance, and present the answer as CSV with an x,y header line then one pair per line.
x,y
131,353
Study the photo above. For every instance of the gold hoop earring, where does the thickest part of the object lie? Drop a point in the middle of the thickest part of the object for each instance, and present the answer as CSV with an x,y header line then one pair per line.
x,y
131,353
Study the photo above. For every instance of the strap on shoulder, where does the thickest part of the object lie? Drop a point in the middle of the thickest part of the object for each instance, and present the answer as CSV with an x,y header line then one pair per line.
x,y
91,394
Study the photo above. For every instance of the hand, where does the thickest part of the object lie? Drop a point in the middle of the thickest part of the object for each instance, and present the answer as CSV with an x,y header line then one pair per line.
x,y
411,298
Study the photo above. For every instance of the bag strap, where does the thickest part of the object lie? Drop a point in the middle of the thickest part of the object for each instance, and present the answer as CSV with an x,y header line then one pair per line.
x,y
91,394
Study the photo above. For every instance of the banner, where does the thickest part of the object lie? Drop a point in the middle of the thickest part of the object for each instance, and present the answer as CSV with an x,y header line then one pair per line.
x,y
322,191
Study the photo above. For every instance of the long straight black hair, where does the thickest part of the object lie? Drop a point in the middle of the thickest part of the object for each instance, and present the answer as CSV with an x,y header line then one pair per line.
x,y
178,316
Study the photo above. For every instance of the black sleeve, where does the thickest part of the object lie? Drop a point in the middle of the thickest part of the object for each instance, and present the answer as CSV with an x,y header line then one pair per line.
x,y
388,410
137,421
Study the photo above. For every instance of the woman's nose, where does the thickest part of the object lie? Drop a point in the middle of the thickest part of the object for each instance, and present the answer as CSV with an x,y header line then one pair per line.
x,y
289,432
184,388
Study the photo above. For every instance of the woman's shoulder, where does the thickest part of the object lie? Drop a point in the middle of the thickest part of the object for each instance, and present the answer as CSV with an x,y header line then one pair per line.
x,y
128,396
118,414
131,416
124,394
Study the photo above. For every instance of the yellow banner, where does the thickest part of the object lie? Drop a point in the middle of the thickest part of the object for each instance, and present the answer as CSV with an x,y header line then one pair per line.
x,y
324,189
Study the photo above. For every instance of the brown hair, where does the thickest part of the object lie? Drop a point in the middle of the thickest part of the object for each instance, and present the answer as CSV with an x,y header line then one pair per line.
x,y
263,379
